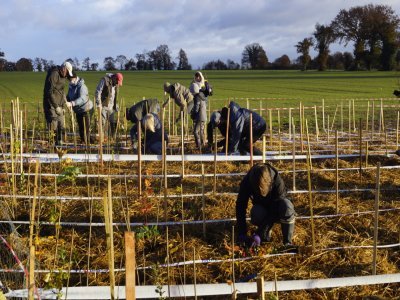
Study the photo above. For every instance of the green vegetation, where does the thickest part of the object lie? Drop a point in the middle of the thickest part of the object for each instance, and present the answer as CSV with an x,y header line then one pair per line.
x,y
305,86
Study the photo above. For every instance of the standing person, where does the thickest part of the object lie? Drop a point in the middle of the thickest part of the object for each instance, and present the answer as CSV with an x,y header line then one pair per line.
x,y
182,97
239,128
264,186
106,97
199,110
137,112
54,99
152,128
78,99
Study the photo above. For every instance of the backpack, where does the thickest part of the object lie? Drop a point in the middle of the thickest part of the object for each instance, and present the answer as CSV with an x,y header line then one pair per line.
x,y
207,89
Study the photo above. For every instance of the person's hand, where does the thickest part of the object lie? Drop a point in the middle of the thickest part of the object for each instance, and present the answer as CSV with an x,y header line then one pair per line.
x,y
59,111
69,105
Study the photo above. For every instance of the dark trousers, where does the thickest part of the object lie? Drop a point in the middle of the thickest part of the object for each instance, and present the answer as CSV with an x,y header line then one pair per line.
x,y
244,144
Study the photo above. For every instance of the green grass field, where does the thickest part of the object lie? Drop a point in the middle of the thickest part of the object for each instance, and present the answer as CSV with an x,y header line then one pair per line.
x,y
305,86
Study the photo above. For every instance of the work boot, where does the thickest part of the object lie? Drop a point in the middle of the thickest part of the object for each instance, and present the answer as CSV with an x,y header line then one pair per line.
x,y
287,232
265,233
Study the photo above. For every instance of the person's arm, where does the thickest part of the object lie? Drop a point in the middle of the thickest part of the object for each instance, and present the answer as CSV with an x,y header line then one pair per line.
x,y
82,98
241,206
54,92
99,89
210,134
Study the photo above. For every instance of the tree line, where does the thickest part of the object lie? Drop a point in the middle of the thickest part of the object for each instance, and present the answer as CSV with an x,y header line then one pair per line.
x,y
373,30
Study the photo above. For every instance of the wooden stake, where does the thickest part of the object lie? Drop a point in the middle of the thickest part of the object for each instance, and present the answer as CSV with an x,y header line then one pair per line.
x,y
233,262
165,183
290,123
263,148
31,284
182,145
337,170
251,140
360,150
203,200
276,284
308,146
100,135
323,114
366,154
311,205
367,117
376,216
397,130
130,265
194,273
301,128
168,267
294,156
109,235
354,116
139,138
270,127
215,161
373,120
279,133
316,123
260,288
227,133
341,118
183,236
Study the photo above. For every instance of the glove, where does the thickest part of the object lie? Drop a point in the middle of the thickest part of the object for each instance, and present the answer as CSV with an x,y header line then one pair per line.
x,y
256,240
69,105
59,111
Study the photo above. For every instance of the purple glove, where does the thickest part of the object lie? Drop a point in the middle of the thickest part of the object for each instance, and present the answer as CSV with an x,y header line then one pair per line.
x,y
256,240
243,239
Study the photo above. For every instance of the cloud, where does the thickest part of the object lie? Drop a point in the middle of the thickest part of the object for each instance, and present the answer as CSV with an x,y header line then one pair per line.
x,y
206,30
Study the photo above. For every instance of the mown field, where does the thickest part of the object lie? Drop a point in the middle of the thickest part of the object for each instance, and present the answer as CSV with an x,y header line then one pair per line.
x,y
305,86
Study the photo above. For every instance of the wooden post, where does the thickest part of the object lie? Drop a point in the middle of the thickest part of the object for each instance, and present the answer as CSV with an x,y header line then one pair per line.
x,y
301,128
397,130
316,123
251,140
341,117
376,215
31,285
168,267
270,127
279,133
367,117
323,114
337,171
373,120
311,205
263,148
366,153
290,123
260,288
165,183
294,156
139,138
308,146
233,263
130,265
215,161
203,200
354,116
194,273
108,216
100,126
360,150
227,133
182,145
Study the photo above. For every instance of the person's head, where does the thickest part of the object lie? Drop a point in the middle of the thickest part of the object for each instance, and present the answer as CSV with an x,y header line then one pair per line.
x,y
215,118
73,79
260,180
198,77
117,79
66,69
167,87
148,122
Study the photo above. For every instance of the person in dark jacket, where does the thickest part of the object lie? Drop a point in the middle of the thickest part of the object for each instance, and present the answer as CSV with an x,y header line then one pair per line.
x,y
182,97
199,110
54,99
106,96
78,98
264,186
152,129
239,128
136,113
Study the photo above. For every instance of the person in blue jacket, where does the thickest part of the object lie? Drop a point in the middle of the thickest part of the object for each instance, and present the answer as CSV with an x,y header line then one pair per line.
x,y
78,100
239,128
152,130
267,191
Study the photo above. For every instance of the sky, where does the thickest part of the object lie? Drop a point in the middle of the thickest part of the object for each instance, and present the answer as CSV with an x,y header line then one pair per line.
x,y
205,29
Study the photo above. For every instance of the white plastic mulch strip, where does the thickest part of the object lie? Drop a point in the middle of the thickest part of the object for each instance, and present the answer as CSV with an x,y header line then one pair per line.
x,y
185,222
217,289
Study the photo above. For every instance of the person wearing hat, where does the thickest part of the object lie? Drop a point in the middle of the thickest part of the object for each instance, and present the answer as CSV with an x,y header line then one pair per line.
x,y
54,99
136,113
181,95
106,96
267,191
199,110
152,129
78,99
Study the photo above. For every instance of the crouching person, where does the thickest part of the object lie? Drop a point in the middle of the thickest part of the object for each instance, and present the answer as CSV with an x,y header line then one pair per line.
x,y
136,113
267,190
152,129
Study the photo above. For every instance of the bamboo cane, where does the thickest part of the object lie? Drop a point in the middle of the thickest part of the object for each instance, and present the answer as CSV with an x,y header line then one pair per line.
x,y
316,123
373,120
337,170
183,146
183,236
279,133
290,123
294,156
366,154
100,125
367,117
397,130
323,114
168,268
251,140
215,161
194,273
139,138
165,204
270,127
301,128
260,288
276,284
341,118
308,146
311,205
203,200
227,133
376,216
233,261
70,262
31,284
354,116
264,140
360,149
